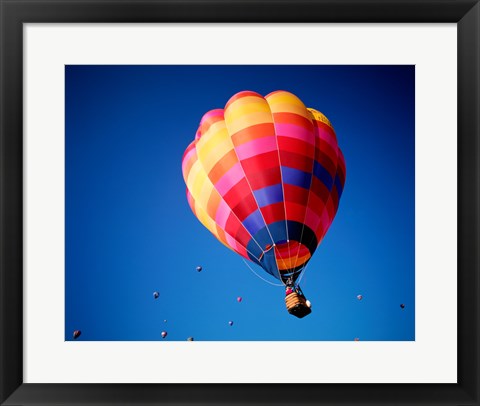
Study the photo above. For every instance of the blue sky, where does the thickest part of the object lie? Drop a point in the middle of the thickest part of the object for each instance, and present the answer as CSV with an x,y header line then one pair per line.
x,y
129,230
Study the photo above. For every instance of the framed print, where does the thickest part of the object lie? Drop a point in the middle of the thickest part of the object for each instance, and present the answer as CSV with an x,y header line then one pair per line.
x,y
239,203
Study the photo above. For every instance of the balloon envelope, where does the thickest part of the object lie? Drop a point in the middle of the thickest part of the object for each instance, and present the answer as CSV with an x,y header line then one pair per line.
x,y
402,306
265,176
239,299
155,295
359,297
164,334
76,334
230,323
199,268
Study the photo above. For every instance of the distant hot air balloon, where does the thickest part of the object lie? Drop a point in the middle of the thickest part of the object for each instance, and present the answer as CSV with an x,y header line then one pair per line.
x,y
239,299
356,339
76,334
359,297
165,320
402,306
199,269
155,295
265,176
164,334
190,339
230,323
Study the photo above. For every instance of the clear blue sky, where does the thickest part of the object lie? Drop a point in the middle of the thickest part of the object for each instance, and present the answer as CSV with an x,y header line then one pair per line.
x,y
129,230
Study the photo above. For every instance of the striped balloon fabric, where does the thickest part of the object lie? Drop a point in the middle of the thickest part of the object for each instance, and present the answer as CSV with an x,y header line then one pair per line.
x,y
265,176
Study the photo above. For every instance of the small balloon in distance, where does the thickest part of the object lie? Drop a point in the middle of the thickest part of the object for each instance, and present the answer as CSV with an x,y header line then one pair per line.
x,y
402,306
230,323
156,295
359,297
164,334
199,268
356,339
190,339
76,334
239,299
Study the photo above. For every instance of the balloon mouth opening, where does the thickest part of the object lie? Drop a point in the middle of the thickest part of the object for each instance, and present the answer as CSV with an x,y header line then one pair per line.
x,y
291,255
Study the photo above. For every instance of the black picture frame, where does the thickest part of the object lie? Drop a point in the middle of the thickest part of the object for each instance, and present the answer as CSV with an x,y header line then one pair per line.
x,y
14,13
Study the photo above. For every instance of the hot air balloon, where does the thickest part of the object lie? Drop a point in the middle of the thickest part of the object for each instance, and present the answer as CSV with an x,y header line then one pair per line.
x,y
239,299
359,297
155,295
265,176
230,323
164,334
199,269
402,306
190,339
76,334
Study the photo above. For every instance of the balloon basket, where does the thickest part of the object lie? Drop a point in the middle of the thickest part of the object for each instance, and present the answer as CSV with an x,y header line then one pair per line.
x,y
297,305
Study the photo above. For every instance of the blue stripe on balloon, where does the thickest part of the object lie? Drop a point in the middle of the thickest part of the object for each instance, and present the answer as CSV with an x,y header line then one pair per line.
x,y
254,222
269,195
296,177
262,236
278,231
322,174
254,252
339,186
269,263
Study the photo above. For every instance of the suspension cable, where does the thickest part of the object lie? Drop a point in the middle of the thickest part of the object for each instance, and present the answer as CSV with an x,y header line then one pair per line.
x,y
258,276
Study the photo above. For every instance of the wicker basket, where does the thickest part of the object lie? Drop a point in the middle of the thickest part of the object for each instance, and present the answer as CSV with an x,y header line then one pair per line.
x,y
296,305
